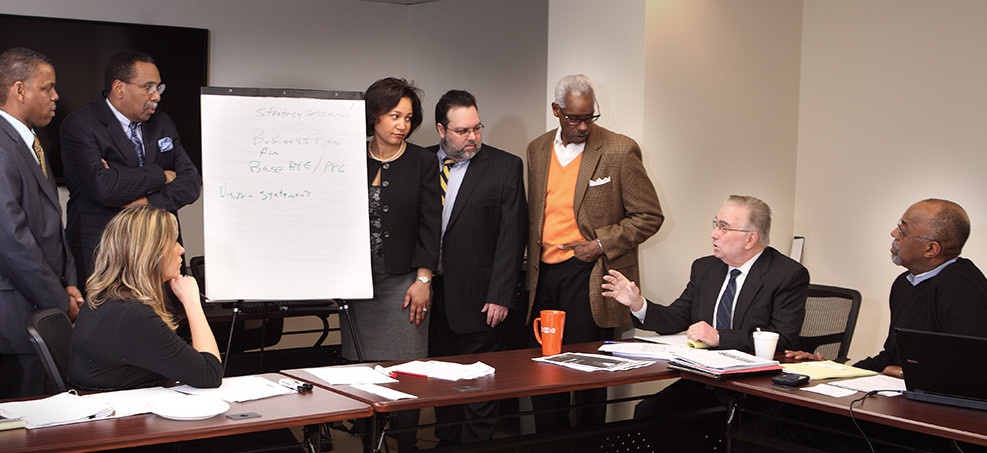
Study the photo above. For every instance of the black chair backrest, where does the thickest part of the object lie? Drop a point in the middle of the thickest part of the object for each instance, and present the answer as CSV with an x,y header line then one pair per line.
x,y
830,317
50,332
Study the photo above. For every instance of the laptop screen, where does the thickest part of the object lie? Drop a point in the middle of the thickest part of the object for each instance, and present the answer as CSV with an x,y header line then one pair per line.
x,y
943,364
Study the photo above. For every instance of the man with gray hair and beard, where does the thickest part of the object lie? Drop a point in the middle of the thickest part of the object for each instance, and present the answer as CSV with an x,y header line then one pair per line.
x,y
117,152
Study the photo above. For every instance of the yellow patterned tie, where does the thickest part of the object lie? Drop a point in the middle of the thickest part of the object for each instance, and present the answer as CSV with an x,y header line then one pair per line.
x,y
40,152
447,163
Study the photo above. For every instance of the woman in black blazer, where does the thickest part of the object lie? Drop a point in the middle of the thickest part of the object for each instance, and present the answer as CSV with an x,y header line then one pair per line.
x,y
405,222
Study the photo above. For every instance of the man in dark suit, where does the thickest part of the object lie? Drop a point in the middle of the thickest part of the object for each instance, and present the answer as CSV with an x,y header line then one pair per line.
x,y
484,217
591,204
768,292
36,267
743,286
118,152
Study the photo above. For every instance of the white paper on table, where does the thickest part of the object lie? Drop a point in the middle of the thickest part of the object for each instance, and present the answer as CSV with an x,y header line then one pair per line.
x,y
239,389
131,402
680,340
60,409
830,390
872,383
384,392
336,375
442,370
642,350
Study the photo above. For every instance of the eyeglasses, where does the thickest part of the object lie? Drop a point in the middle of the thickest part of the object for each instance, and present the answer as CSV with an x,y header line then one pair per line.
x,y
151,87
574,120
904,235
723,227
464,131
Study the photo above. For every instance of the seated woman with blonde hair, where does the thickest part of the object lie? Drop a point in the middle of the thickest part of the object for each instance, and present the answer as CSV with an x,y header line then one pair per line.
x,y
124,336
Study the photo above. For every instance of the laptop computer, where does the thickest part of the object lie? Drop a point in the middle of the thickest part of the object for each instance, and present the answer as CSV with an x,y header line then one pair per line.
x,y
944,368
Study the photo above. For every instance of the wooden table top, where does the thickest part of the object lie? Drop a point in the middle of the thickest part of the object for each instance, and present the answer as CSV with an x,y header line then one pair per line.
x,y
277,412
516,375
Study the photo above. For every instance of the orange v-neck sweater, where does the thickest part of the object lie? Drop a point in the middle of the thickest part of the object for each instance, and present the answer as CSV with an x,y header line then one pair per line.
x,y
560,225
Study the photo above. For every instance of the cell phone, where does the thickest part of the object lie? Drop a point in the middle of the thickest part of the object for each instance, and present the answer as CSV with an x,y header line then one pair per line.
x,y
790,379
243,416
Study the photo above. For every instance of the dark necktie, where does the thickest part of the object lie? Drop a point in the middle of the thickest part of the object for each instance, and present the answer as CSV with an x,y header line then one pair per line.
x,y
138,146
724,315
40,152
447,164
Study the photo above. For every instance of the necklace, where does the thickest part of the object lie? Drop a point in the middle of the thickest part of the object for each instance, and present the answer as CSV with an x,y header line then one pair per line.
x,y
370,151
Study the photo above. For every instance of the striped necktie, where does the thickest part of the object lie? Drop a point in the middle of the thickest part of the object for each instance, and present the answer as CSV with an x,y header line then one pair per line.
x,y
724,315
138,146
447,164
40,152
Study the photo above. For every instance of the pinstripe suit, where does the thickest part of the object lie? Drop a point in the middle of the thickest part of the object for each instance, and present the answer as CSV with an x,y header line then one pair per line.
x,y
96,193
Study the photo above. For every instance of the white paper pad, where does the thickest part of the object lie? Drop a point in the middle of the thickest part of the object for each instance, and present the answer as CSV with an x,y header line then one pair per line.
x,y
829,390
872,383
335,375
384,392
239,389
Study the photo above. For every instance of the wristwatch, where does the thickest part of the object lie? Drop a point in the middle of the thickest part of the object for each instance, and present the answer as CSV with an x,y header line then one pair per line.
x,y
423,279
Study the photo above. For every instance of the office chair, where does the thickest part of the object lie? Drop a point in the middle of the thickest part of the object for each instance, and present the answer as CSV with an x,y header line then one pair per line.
x,y
50,331
830,317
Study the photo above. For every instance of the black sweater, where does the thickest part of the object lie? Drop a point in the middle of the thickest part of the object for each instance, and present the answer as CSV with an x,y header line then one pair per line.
x,y
955,301
125,345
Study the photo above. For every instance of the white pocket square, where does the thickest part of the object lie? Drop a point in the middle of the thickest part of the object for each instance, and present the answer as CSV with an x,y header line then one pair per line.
x,y
599,182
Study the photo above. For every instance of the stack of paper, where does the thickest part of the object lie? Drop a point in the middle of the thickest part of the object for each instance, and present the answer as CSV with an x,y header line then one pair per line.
x,y
593,362
722,363
60,409
440,370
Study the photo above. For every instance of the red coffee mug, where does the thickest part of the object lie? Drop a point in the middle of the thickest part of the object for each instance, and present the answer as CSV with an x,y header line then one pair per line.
x,y
548,331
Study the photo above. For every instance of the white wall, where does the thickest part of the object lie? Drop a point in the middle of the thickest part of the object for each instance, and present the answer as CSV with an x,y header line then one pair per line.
x,y
720,119
893,110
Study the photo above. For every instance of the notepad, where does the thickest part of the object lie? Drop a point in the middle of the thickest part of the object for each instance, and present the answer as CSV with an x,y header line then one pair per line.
x,y
827,369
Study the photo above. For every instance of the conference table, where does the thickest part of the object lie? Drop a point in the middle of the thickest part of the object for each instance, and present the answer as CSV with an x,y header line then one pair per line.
x,y
284,411
950,422
516,375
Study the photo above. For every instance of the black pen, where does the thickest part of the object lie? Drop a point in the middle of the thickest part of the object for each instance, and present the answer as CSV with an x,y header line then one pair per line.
x,y
298,386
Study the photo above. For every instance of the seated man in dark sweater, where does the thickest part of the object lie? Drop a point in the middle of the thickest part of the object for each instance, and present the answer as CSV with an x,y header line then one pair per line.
x,y
940,292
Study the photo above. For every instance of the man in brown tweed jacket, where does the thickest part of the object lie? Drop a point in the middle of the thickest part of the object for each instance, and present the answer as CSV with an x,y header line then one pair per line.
x,y
591,203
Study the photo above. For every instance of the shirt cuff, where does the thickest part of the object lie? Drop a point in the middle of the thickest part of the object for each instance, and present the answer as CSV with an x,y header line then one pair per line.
x,y
640,313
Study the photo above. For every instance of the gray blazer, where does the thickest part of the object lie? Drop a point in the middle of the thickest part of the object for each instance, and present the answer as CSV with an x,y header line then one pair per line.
x,y
35,262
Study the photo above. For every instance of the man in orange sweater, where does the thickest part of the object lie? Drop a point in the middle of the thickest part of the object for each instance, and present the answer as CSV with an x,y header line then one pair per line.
x,y
591,204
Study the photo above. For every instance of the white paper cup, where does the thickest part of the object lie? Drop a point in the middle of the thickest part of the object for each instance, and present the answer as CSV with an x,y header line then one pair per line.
x,y
765,343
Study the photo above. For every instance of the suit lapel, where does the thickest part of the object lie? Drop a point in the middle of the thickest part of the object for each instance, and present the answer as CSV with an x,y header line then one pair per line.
x,y
473,174
587,166
752,285
120,139
25,152
538,166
